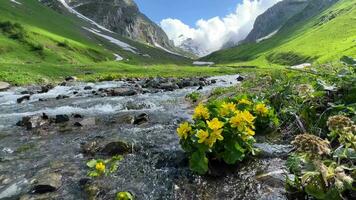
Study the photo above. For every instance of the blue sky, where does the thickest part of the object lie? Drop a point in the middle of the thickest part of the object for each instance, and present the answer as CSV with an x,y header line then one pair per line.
x,y
188,11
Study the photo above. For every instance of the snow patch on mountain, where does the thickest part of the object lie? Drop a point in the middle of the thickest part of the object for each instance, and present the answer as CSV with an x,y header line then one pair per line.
x,y
166,50
267,36
70,9
119,43
14,1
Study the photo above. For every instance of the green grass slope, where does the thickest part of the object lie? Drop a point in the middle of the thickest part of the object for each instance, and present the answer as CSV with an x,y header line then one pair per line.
x,y
38,44
323,38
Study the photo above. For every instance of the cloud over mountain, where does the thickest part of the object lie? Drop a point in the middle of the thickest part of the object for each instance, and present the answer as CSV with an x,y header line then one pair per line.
x,y
211,34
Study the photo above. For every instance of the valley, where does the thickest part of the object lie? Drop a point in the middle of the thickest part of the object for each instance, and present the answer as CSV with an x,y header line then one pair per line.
x,y
97,103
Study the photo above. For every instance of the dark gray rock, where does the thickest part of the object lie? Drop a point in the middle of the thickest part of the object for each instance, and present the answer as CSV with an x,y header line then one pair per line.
x,y
71,78
116,148
61,118
141,119
168,86
62,97
88,88
32,122
46,88
23,98
86,122
122,92
45,183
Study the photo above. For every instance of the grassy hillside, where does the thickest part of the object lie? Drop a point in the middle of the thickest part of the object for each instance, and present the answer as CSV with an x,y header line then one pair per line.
x,y
324,38
33,35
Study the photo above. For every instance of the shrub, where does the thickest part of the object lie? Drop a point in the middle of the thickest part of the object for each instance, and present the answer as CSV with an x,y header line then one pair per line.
x,y
101,167
320,171
194,96
223,130
289,58
13,30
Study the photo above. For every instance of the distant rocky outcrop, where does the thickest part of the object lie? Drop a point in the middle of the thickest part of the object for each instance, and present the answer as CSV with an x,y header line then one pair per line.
x,y
120,16
274,18
283,15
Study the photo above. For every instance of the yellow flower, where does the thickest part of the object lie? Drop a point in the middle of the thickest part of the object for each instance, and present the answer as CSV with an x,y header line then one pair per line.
x,y
183,130
100,166
245,102
201,112
217,134
227,108
215,124
261,109
250,132
242,120
202,135
248,117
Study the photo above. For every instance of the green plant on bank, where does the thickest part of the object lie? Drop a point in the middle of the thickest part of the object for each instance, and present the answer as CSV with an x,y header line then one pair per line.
x,y
323,171
124,196
194,96
224,130
99,167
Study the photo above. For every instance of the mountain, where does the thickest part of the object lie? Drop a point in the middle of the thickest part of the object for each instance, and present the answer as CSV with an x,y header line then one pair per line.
x,y
274,18
120,16
318,31
189,45
53,32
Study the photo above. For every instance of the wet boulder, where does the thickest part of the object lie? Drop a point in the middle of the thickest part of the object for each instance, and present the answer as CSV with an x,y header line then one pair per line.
x,y
71,78
116,148
4,86
61,118
273,150
90,147
122,92
86,122
88,88
23,98
62,97
240,78
46,88
141,119
45,183
168,86
32,122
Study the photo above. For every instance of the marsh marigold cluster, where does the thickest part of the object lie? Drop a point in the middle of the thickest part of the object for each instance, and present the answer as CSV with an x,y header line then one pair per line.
x,y
222,129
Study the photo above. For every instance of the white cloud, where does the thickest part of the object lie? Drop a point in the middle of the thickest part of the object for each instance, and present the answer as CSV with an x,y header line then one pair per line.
x,y
210,35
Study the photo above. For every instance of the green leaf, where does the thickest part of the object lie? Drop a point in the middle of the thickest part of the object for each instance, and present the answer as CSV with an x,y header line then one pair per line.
x,y
124,196
93,174
91,163
233,152
199,162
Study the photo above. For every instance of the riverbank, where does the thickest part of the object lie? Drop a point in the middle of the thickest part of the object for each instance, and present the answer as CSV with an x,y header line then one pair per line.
x,y
25,74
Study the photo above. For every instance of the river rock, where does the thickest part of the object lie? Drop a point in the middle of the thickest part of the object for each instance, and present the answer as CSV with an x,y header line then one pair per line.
x,y
46,88
47,183
4,86
168,86
273,150
88,88
122,92
31,122
61,118
90,148
141,119
62,97
14,189
86,122
116,148
23,98
240,78
71,78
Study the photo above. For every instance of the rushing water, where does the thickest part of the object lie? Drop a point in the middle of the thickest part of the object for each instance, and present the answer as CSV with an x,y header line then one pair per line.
x,y
156,169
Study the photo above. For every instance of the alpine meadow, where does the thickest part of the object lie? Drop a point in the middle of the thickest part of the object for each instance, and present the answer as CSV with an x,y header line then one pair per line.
x,y
177,100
